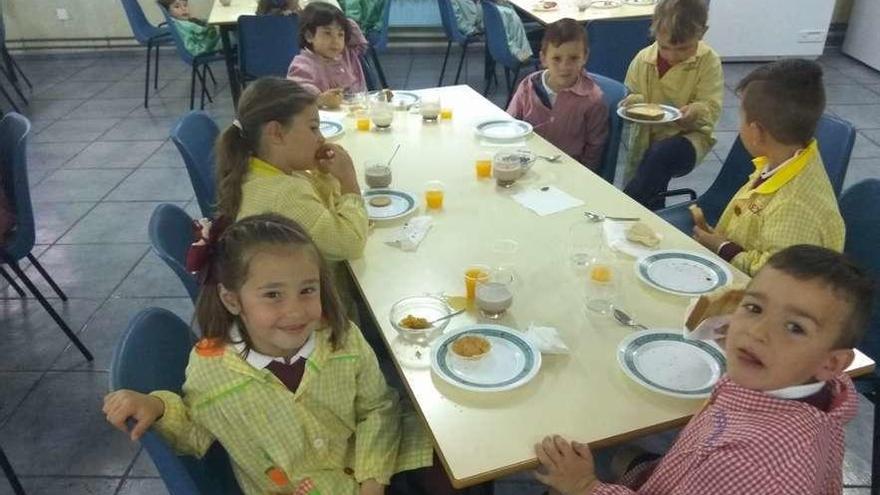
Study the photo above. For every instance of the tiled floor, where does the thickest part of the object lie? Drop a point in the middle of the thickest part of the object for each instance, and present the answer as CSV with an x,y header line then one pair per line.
x,y
99,163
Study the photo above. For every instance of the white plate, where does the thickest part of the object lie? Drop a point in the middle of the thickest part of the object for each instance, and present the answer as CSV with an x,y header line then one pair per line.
x,y
503,129
639,3
512,361
683,273
615,236
665,362
539,7
331,129
402,204
604,4
672,114
400,99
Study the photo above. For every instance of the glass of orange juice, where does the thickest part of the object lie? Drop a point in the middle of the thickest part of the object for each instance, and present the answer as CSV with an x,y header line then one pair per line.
x,y
362,120
484,165
434,194
473,275
602,282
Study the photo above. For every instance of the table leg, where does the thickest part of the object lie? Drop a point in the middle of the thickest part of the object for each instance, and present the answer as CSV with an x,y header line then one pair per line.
x,y
234,87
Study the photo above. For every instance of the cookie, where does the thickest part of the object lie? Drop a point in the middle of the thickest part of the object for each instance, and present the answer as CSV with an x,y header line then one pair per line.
x,y
380,201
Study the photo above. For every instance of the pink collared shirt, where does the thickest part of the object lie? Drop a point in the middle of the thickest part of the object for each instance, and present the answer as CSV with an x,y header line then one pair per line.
x,y
578,122
317,74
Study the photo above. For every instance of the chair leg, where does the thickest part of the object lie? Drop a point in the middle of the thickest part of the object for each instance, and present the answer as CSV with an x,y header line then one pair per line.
x,y
20,72
443,67
49,309
205,81
464,48
46,277
11,282
10,474
9,99
211,73
147,78
192,88
375,57
875,456
15,86
156,71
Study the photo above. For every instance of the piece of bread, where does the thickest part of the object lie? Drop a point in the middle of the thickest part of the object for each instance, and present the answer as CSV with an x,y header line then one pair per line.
x,y
380,201
643,234
471,346
648,111
715,304
699,218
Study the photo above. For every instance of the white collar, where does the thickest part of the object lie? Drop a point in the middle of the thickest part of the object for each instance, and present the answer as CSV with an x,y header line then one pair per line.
x,y
765,174
546,82
259,360
797,391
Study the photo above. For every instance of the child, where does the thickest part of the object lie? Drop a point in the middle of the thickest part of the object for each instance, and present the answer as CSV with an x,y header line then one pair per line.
x,y
366,13
774,423
563,103
273,158
278,7
788,199
679,70
281,379
329,63
469,17
197,36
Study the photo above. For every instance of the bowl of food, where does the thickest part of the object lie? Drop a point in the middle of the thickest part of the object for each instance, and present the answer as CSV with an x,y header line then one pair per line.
x,y
412,317
470,347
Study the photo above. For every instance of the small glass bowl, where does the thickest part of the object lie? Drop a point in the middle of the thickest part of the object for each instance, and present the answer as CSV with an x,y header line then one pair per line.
x,y
427,307
525,158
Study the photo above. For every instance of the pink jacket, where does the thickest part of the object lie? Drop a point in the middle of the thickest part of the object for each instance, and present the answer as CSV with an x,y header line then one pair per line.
x,y
578,122
750,443
317,74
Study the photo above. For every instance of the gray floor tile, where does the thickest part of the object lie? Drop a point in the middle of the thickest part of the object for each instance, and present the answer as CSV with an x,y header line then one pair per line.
x,y
31,339
137,129
872,134
113,223
857,458
77,185
857,491
54,220
866,144
862,73
729,120
94,108
13,387
151,278
67,486
81,441
102,72
730,98
861,116
852,94
107,325
52,155
63,131
66,90
35,176
699,179
159,184
114,154
861,169
162,107
51,109
39,124
167,156
144,486
144,467
127,89
725,140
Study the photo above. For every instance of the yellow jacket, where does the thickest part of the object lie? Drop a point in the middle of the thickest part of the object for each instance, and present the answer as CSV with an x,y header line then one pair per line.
x,y
342,426
698,81
794,206
336,222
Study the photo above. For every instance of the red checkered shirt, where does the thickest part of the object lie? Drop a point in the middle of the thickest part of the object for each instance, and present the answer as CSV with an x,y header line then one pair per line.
x,y
748,442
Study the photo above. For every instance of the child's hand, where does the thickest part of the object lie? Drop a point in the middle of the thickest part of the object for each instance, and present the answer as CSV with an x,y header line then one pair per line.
x,y
688,117
709,238
632,99
334,160
331,98
124,404
371,487
567,467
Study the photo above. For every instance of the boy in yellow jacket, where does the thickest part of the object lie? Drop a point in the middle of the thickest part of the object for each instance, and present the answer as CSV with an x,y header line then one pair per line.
x,y
788,200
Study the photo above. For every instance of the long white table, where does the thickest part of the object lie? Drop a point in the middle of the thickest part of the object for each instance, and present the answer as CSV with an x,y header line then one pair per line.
x,y
569,9
584,395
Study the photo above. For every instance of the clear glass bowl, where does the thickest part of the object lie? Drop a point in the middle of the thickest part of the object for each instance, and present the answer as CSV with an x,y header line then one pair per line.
x,y
427,307
524,158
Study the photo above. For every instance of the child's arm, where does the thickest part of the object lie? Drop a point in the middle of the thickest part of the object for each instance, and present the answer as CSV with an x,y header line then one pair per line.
x,y
704,109
596,135
633,83
144,409
303,72
357,41
516,109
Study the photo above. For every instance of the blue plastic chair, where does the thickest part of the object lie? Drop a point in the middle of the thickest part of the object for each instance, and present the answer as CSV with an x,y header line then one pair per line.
x,y
378,40
613,45
152,355
453,35
612,93
194,135
496,41
266,45
371,76
170,232
835,138
149,35
200,63
19,243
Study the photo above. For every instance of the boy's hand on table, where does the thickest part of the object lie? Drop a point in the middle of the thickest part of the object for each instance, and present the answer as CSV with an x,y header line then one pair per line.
x,y
709,238
565,466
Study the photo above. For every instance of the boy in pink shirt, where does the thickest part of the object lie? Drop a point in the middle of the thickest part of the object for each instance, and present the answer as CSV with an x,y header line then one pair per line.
x,y
329,63
563,103
774,423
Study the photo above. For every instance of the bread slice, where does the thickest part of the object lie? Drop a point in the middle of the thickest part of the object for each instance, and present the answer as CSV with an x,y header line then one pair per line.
x,y
648,111
715,304
699,218
641,233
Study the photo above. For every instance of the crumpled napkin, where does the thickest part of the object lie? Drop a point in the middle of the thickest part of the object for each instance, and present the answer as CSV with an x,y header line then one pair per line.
x,y
411,234
546,339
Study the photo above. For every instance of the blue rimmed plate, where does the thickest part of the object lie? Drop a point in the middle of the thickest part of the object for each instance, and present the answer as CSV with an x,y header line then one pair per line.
x,y
511,362
670,114
665,362
683,273
503,129
399,99
331,129
401,204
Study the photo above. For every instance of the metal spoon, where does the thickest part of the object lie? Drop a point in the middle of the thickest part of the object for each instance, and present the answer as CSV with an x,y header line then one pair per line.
x,y
551,159
393,155
626,320
450,315
598,217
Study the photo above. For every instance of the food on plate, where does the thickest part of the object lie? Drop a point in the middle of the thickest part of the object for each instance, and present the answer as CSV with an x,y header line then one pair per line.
x,y
643,234
715,304
699,218
380,201
647,111
414,323
471,346
546,5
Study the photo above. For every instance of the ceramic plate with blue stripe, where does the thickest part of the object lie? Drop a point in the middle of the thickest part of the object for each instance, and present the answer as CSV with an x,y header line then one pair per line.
x,y
331,129
400,99
511,362
399,204
683,273
503,129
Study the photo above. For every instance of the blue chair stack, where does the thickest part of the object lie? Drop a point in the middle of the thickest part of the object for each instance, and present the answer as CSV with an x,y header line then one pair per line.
x,y
149,35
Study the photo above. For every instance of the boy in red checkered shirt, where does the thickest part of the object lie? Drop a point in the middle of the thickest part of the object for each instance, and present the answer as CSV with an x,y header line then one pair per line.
x,y
774,423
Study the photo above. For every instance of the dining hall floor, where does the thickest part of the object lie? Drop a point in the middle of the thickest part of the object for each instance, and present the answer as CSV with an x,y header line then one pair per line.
x,y
99,164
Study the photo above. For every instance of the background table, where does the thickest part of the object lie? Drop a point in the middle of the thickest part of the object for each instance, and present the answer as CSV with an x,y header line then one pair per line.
x,y
584,395
568,8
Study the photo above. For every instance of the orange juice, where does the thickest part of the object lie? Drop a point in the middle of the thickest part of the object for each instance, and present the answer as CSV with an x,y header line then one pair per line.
x,y
600,273
446,113
434,199
363,123
484,168
471,277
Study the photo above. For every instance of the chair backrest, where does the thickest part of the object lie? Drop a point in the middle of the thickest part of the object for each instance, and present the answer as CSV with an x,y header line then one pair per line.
x,y
612,92
836,139
496,36
371,76
140,26
14,130
860,207
179,44
170,232
194,135
379,38
152,355
450,25
613,45
734,173
267,44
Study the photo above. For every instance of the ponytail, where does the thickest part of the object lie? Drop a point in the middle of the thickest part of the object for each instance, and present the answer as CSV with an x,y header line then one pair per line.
x,y
233,154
